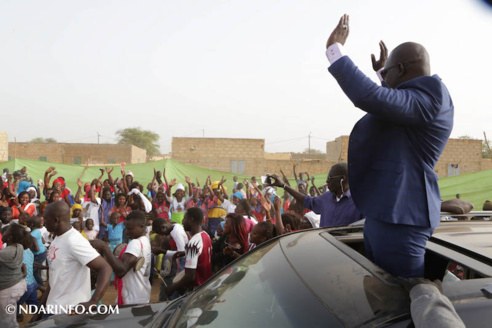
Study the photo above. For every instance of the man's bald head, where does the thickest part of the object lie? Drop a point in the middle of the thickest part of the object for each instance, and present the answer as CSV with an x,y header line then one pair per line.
x,y
57,217
339,169
406,62
60,210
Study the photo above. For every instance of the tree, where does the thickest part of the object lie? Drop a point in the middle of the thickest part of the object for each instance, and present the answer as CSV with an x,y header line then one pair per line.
x,y
312,151
140,138
43,140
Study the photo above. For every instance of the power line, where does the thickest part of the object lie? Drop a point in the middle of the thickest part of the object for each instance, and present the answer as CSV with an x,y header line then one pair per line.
x,y
294,139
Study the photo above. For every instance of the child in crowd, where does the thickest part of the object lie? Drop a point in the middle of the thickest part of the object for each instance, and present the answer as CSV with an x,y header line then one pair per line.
x,y
121,207
161,206
30,297
33,198
178,202
34,224
114,230
214,205
23,217
262,232
107,204
89,202
12,283
76,213
89,229
77,226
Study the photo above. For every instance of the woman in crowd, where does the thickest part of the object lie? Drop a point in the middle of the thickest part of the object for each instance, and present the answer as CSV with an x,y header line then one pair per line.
x,y
233,243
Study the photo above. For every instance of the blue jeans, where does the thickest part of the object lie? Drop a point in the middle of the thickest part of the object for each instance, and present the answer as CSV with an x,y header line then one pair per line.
x,y
39,258
397,248
29,297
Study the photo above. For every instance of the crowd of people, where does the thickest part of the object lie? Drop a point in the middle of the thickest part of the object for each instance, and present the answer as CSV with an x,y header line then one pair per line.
x,y
114,230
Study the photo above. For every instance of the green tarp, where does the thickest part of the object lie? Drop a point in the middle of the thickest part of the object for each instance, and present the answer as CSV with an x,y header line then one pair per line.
x,y
474,187
143,173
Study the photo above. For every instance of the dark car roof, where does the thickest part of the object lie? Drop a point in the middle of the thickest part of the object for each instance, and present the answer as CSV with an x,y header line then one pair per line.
x,y
352,287
360,293
474,236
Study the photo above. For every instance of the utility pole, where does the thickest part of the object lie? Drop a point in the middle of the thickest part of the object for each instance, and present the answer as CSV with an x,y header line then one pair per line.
x,y
309,144
203,133
98,135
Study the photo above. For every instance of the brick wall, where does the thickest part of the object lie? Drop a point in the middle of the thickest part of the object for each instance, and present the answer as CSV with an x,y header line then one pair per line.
x,y
138,155
486,163
311,166
69,153
4,146
465,152
218,153
278,156
337,150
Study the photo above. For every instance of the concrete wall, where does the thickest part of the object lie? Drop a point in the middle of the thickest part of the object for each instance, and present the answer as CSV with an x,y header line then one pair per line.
x,y
218,153
4,146
69,153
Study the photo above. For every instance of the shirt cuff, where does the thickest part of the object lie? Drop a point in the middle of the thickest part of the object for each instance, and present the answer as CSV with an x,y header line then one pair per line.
x,y
378,73
334,52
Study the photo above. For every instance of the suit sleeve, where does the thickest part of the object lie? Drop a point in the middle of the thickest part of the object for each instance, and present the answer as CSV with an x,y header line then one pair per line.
x,y
417,102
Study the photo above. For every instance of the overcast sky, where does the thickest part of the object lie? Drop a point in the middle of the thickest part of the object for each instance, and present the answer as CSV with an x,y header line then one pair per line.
x,y
231,69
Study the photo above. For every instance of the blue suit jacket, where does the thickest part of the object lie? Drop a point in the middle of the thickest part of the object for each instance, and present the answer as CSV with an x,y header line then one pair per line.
x,y
394,148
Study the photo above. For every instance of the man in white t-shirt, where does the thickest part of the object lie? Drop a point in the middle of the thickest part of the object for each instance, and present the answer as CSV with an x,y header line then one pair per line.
x,y
70,259
133,285
178,242
90,204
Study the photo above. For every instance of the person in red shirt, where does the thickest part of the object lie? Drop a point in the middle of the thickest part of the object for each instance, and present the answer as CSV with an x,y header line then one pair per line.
x,y
198,266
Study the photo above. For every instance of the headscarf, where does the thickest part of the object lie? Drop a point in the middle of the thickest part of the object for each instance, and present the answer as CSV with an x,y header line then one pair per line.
x,y
180,187
130,173
60,180
74,207
33,188
238,195
23,185
313,218
87,188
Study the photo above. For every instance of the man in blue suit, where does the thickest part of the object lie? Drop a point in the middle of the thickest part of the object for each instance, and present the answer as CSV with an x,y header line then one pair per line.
x,y
393,150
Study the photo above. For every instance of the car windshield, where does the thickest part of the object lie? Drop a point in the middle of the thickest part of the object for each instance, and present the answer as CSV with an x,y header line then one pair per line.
x,y
259,290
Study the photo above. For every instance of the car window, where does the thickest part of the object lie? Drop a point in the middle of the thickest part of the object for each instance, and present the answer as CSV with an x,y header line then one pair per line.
x,y
258,290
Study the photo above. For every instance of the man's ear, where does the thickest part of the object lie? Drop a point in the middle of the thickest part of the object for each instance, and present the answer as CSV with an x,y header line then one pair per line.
x,y
401,69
